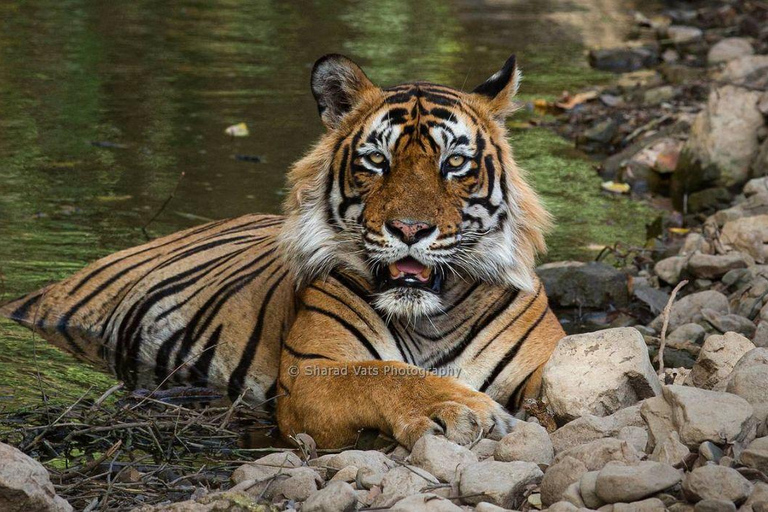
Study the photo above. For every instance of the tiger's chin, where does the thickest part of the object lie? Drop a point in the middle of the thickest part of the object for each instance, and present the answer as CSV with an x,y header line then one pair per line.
x,y
408,289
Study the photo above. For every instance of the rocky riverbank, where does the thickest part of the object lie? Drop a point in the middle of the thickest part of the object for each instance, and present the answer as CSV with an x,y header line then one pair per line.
x,y
653,410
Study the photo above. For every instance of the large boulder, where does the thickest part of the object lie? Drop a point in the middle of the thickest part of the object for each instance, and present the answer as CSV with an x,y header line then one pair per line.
x,y
25,484
588,285
599,373
722,144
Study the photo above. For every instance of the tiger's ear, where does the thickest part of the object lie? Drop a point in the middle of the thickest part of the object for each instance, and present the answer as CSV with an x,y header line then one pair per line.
x,y
500,88
338,85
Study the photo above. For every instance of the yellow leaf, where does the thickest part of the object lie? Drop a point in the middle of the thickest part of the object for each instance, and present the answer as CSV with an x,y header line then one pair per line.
x,y
616,188
237,130
679,231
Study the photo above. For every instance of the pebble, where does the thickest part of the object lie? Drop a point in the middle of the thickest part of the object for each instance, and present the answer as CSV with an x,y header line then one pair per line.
x,y
527,442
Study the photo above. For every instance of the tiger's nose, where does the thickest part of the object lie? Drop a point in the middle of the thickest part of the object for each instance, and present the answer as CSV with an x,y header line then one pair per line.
x,y
410,231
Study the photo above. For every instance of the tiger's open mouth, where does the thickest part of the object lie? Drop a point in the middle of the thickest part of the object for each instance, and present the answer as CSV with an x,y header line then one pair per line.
x,y
411,273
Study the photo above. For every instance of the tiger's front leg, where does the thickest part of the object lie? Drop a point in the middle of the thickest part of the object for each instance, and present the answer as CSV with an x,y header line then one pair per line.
x,y
333,400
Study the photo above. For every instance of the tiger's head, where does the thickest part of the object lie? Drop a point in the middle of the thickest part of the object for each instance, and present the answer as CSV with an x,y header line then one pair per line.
x,y
411,187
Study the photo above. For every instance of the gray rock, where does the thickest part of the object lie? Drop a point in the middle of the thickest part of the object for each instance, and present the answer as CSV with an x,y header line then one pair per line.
x,y
499,483
588,490
591,285
425,503
760,163
717,358
372,459
590,428
715,506
599,373
25,484
750,382
347,474
748,70
618,483
723,141
688,309
649,505
686,335
526,442
367,478
598,453
756,454
558,477
657,95
401,482
759,496
440,457
730,323
298,485
623,60
761,335
670,450
728,49
484,448
710,451
572,494
637,437
682,34
709,266
266,467
670,269
701,415
658,417
716,483
709,200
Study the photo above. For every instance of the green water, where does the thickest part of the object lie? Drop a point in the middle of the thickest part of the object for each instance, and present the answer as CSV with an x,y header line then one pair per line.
x,y
162,80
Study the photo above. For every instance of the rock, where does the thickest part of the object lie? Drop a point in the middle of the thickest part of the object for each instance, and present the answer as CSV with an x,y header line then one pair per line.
x,y
717,358
347,474
572,494
728,49
756,186
681,34
758,497
598,373
598,453
695,242
637,437
715,506
299,484
735,324
686,335
749,70
440,457
756,454
592,285
658,417
499,483
751,383
688,309
649,505
425,503
709,266
653,297
588,490
669,450
670,269
716,482
25,484
700,415
335,497
748,234
401,482
761,335
526,442
710,451
484,448
618,483
560,506
709,200
558,477
722,143
489,507
657,95
266,467
760,163
367,478
623,60
218,501
375,460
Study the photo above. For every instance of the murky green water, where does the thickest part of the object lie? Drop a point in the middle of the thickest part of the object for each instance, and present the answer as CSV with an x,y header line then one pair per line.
x,y
160,82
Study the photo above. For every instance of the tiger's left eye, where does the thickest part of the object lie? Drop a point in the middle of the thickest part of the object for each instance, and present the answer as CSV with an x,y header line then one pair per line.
x,y
457,160
376,158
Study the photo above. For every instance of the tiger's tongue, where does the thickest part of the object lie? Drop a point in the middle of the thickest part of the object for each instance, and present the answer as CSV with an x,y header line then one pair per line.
x,y
409,266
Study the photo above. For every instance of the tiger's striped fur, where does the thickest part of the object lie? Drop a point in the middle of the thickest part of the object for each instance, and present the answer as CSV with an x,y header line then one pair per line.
x,y
297,306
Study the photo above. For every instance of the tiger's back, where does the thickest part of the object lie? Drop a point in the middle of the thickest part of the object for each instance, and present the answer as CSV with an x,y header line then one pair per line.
x,y
208,306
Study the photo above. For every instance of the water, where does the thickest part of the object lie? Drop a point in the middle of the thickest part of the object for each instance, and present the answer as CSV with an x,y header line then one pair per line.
x,y
104,104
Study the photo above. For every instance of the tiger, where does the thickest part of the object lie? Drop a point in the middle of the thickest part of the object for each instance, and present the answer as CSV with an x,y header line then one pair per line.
x,y
396,292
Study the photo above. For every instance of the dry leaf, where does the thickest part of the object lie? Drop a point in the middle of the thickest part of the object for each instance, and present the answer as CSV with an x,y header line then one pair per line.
x,y
567,102
237,130
616,188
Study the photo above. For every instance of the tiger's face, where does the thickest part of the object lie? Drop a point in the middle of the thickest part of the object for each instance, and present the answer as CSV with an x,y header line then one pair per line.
x,y
412,187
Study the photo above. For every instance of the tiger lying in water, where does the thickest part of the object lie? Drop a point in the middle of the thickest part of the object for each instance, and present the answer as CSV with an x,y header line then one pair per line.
x,y
410,235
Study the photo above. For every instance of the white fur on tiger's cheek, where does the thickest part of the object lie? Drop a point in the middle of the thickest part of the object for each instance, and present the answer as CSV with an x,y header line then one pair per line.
x,y
407,303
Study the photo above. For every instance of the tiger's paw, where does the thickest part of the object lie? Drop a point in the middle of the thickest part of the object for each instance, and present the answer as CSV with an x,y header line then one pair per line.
x,y
462,423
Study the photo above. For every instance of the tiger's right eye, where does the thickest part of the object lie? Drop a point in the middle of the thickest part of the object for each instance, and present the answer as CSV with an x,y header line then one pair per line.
x,y
376,159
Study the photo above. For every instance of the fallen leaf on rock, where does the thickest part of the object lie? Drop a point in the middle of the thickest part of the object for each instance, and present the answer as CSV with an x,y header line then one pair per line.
x,y
237,130
616,188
